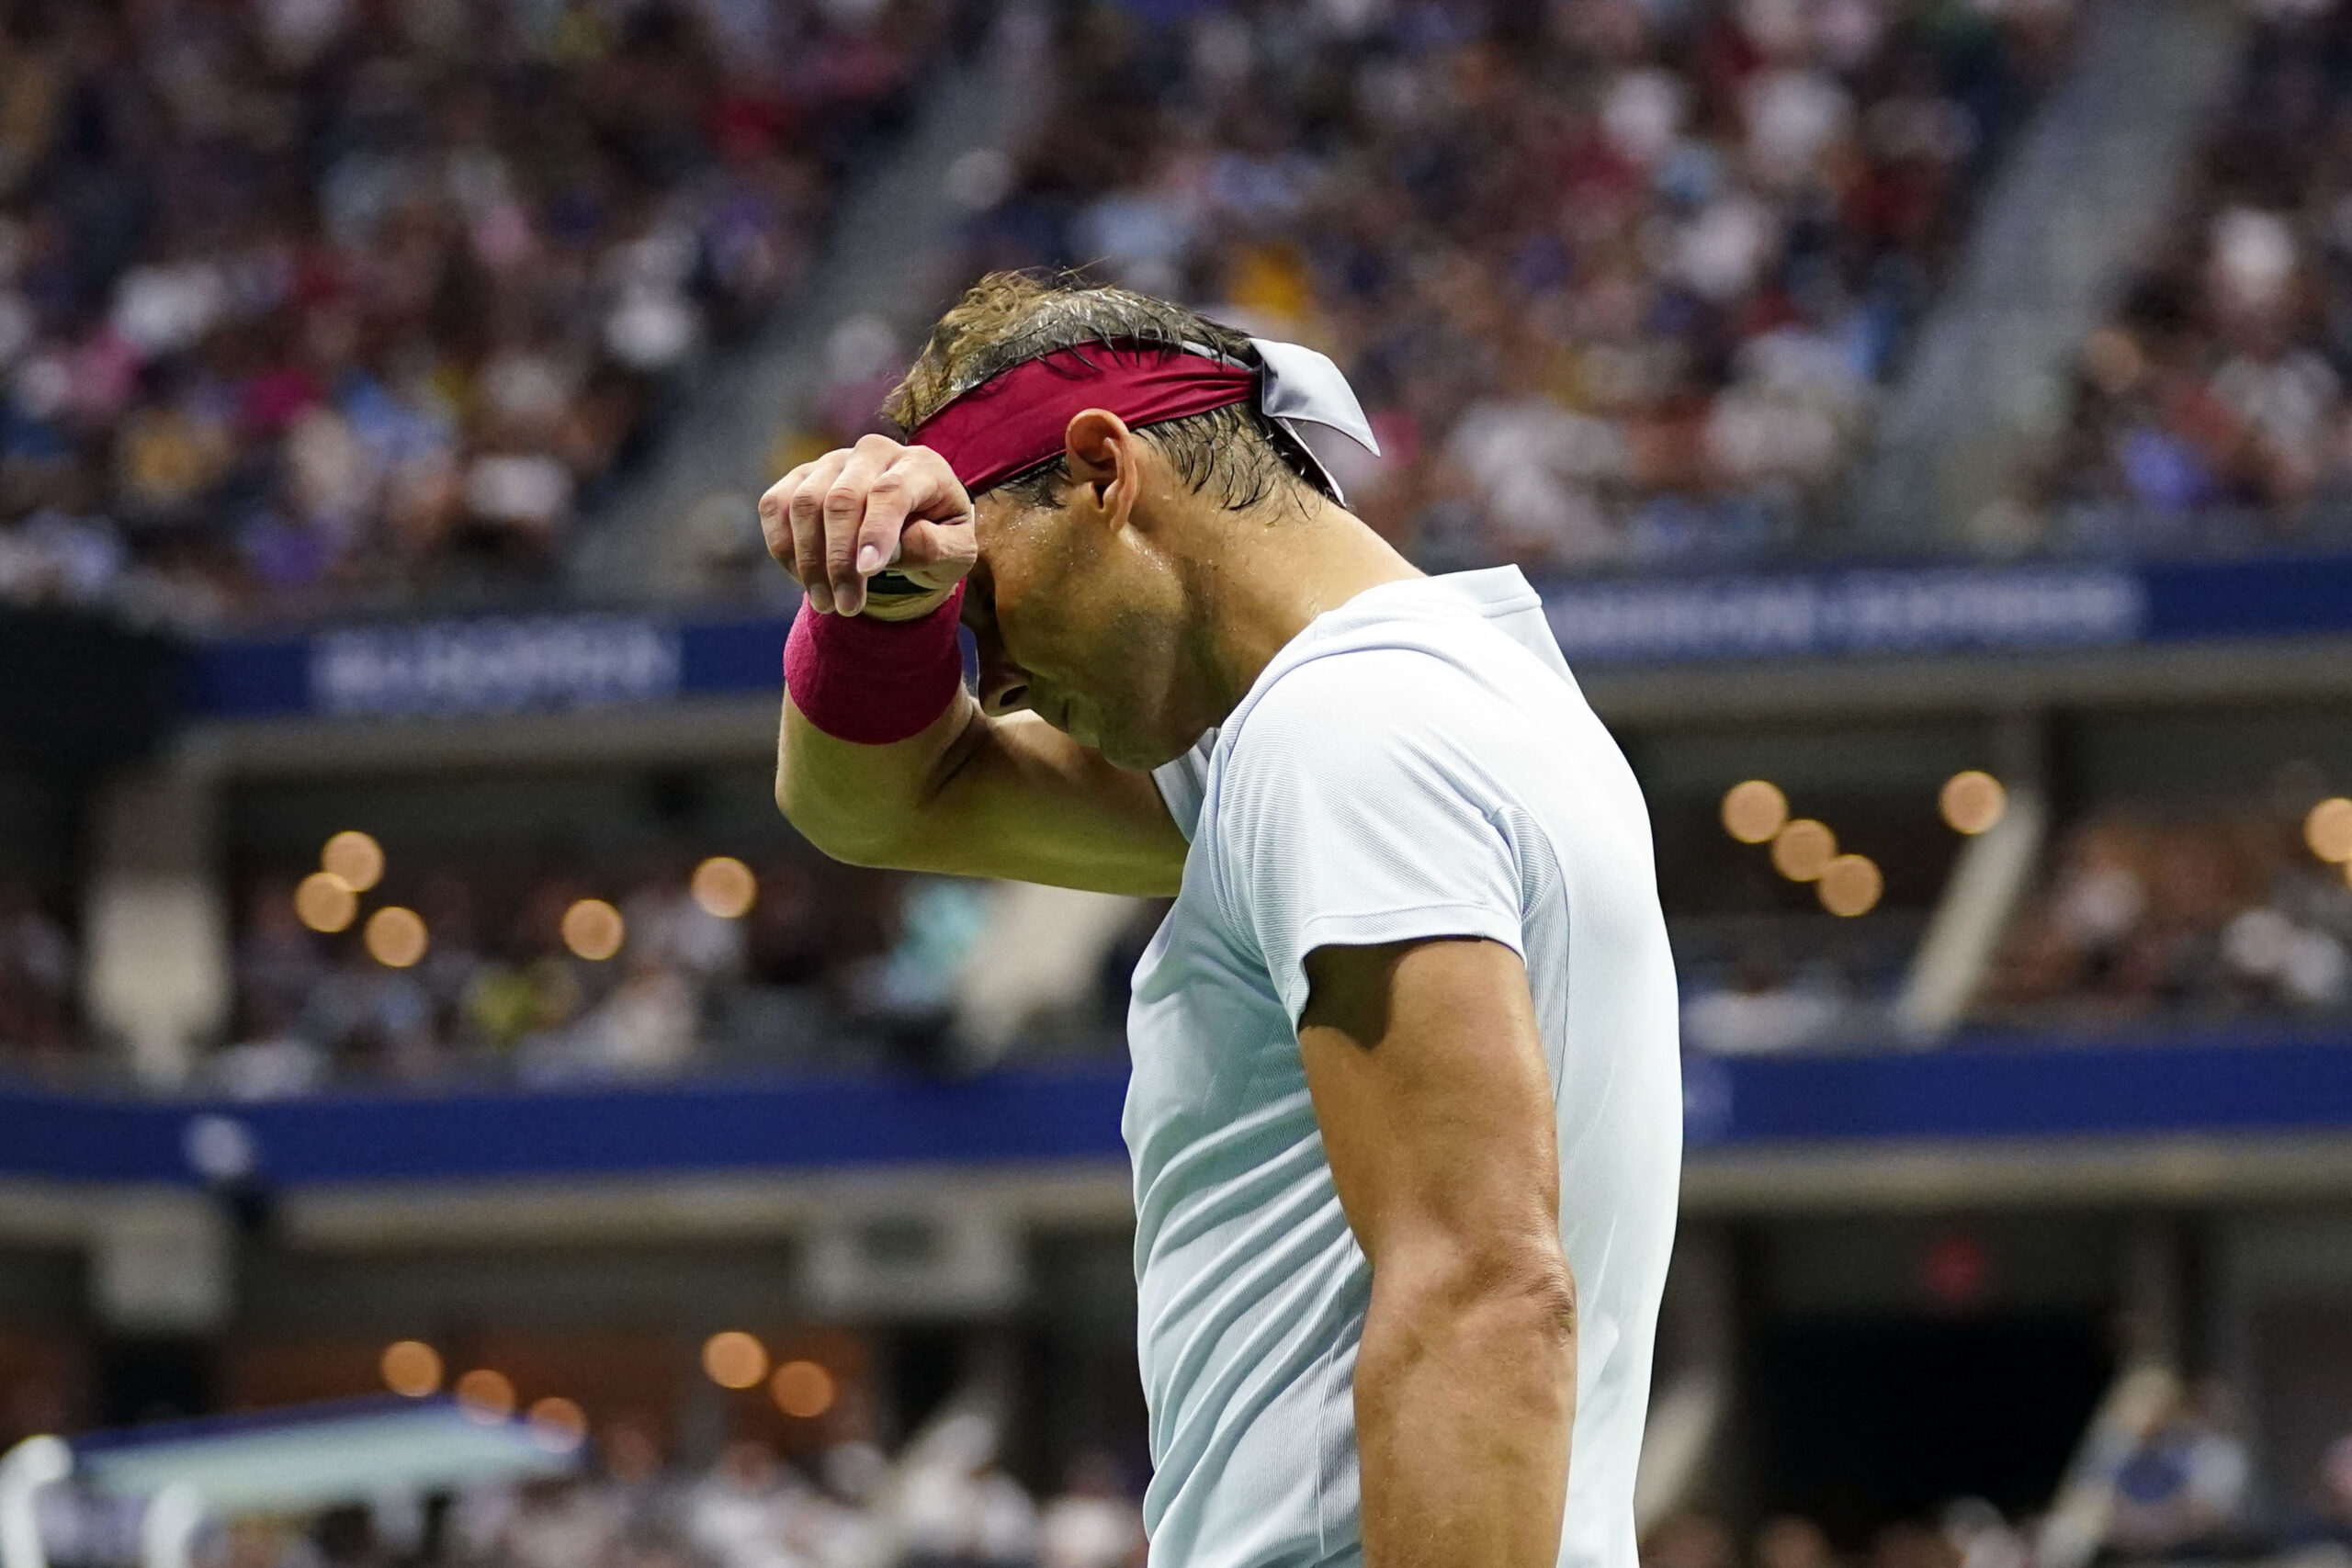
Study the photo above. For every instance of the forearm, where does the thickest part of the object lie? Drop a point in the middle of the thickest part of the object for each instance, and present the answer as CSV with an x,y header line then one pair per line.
x,y
1463,1402
861,802
973,795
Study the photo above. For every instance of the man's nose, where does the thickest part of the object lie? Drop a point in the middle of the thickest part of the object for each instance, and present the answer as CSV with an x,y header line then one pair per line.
x,y
1004,685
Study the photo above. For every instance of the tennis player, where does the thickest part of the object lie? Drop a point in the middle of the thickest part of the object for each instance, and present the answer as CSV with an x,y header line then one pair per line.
x,y
1405,1111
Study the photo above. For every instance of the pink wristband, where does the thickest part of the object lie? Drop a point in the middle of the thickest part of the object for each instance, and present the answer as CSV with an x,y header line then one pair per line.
x,y
872,682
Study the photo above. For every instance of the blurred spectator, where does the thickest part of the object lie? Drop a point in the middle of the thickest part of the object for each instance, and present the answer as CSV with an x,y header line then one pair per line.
x,y
1616,281
303,305
560,1524
1793,1542
1093,1523
2183,1490
742,1514
2328,1519
1905,1544
273,1062
37,982
958,1509
1690,1540
1980,1536
1762,1013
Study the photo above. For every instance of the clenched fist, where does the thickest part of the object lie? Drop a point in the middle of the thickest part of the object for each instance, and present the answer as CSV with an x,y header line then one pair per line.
x,y
880,505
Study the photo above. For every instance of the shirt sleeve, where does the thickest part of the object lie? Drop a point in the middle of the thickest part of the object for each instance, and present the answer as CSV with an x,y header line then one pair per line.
x,y
1353,811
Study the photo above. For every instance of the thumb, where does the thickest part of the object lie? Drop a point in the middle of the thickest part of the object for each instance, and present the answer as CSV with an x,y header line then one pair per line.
x,y
936,544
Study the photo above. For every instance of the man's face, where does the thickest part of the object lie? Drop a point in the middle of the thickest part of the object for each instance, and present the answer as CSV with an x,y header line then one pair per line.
x,y
1088,627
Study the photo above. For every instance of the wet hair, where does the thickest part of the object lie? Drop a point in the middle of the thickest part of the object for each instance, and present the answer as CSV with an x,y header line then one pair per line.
x,y
1236,456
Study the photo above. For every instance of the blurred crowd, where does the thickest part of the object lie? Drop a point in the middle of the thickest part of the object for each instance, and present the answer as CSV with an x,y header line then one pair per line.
x,y
1615,279
1760,986
950,1505
947,1503
558,970
2183,1490
2211,411
1971,1533
549,975
2205,915
822,965
2181,1485
312,303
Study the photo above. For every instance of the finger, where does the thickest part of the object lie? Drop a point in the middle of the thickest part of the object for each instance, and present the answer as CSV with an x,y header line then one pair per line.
x,y
776,530
806,511
844,515
927,548
914,485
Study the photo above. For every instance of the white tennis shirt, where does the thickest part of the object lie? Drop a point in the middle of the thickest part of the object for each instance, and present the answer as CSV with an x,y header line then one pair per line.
x,y
1418,762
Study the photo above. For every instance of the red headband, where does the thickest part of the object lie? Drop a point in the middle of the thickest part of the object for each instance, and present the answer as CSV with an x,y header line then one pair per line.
x,y
1018,418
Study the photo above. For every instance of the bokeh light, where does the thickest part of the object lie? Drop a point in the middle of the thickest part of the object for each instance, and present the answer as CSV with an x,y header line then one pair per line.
x,y
557,1424
486,1396
411,1368
396,936
734,1359
324,902
1803,850
1972,801
1754,811
725,887
1850,885
802,1389
2328,829
356,858
593,929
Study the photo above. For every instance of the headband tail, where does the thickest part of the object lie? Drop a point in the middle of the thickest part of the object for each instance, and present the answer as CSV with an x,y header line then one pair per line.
x,y
1299,386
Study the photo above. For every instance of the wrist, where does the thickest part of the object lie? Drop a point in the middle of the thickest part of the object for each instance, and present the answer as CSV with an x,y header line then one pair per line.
x,y
875,680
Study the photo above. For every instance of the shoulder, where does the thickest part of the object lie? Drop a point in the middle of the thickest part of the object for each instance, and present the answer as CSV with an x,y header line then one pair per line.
x,y
1354,706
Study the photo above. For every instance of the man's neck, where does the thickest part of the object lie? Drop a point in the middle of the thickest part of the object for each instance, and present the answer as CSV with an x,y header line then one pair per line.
x,y
1271,579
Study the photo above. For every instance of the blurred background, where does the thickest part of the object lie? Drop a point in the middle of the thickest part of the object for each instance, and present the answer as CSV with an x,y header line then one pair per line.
x,y
447,1119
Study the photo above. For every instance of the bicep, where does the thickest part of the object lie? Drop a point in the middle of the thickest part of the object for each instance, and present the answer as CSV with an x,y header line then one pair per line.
x,y
1011,798
1434,1098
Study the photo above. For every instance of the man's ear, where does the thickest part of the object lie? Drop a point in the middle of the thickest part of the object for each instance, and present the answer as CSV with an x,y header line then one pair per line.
x,y
1104,459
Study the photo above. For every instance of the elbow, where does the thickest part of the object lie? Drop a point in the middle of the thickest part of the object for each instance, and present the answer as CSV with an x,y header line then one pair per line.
x,y
1503,1320
1520,1288
852,838
1537,1283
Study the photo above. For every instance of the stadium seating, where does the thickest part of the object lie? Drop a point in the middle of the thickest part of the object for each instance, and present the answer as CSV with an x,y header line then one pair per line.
x,y
312,307
2210,412
1616,281
2195,916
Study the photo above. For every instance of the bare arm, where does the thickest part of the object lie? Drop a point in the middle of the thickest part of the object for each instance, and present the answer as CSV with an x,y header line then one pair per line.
x,y
1430,1084
974,795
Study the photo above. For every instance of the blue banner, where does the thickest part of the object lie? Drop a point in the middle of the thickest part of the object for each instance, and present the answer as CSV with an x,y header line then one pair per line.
x,y
2220,1085
504,664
